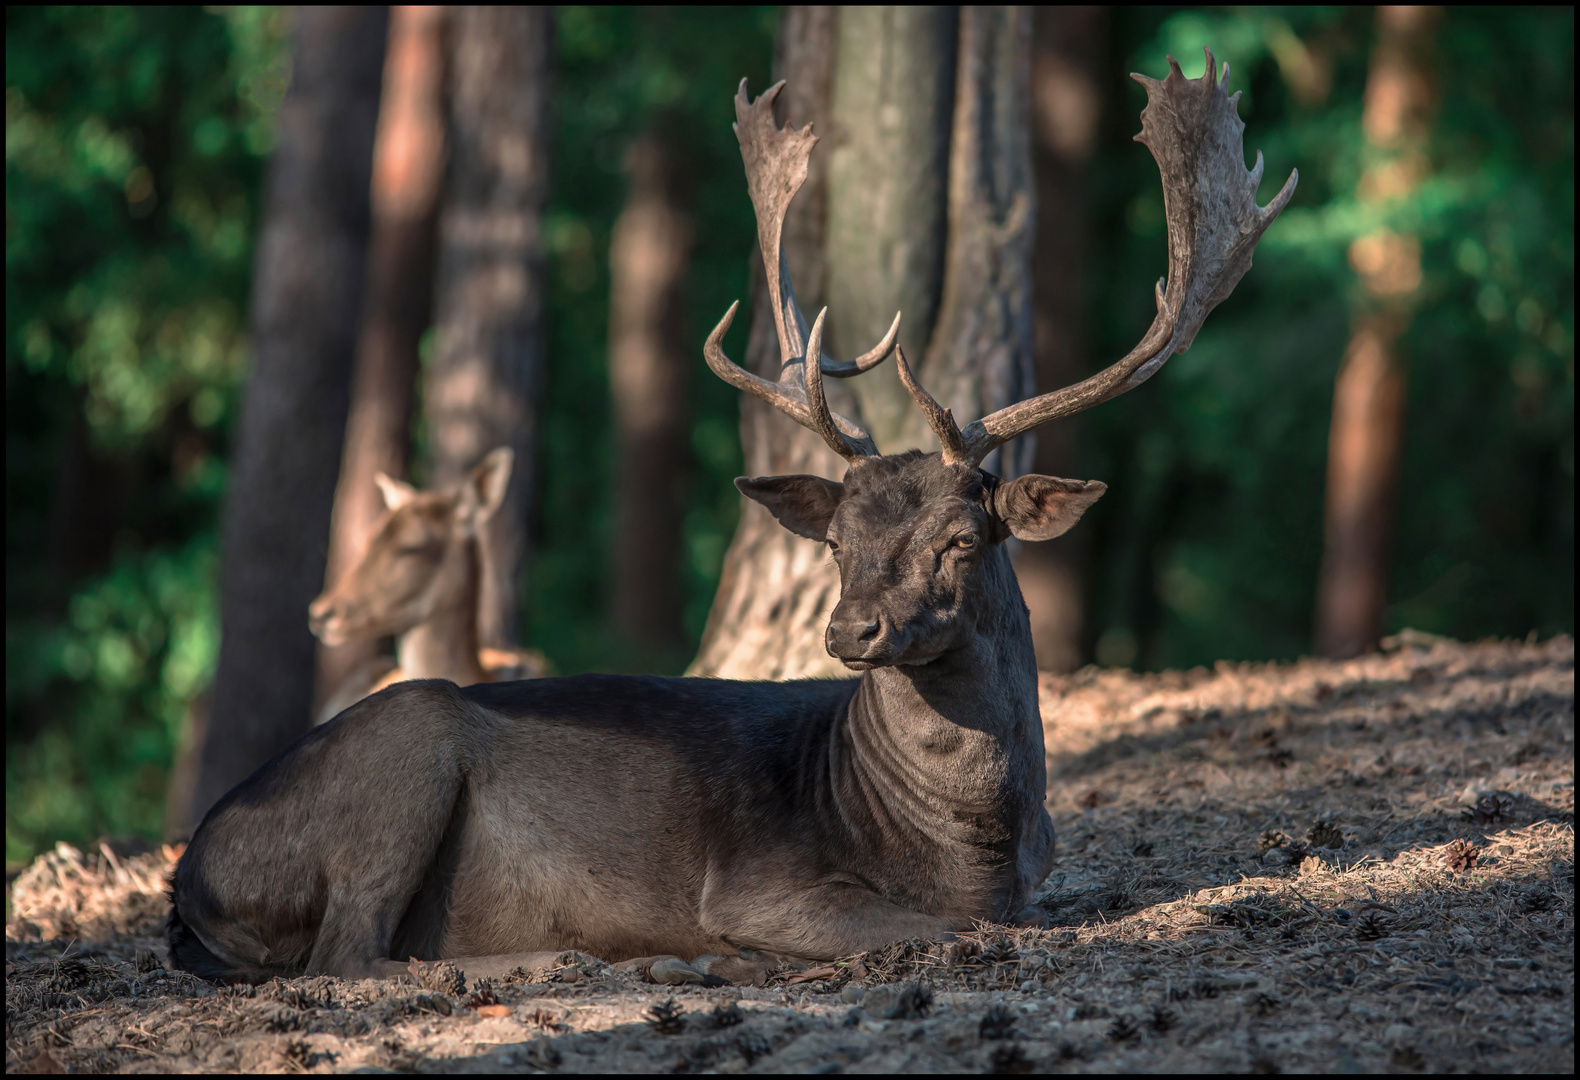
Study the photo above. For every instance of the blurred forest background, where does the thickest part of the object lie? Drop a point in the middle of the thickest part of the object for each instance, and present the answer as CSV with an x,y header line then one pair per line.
x,y
1434,258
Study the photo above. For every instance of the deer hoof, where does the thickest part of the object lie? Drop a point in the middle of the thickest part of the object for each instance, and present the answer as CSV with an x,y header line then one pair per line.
x,y
673,971
1032,916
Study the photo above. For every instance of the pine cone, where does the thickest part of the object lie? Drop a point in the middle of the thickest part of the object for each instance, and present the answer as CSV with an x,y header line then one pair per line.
x,y
666,1018
996,1023
1493,809
1325,835
727,1015
482,994
1459,856
1370,928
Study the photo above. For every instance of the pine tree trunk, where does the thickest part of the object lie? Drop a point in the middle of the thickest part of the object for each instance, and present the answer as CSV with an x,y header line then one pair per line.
x,y
918,199
480,390
1369,394
408,165
1068,45
306,305
649,254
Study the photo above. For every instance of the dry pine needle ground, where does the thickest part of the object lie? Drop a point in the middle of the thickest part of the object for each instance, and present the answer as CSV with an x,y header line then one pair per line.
x,y
1361,866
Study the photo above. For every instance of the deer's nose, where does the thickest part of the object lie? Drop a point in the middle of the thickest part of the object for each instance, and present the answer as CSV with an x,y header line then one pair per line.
x,y
320,611
852,636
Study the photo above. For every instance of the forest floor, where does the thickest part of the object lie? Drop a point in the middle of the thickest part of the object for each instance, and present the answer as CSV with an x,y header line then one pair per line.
x,y
1356,867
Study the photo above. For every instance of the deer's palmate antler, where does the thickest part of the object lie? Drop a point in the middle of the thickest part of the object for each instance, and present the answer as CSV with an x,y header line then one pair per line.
x,y
1197,137
776,163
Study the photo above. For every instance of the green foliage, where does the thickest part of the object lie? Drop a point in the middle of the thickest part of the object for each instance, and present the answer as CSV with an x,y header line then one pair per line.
x,y
135,146
1208,544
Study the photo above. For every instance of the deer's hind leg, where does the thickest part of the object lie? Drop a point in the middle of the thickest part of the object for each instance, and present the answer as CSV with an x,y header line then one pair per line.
x,y
388,894
313,862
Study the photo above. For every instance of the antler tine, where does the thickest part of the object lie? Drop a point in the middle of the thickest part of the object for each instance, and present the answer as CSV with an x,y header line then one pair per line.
x,y
822,420
1209,197
847,439
940,419
867,360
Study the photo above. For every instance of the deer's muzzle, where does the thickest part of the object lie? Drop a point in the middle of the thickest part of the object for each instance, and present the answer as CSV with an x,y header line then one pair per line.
x,y
326,618
858,639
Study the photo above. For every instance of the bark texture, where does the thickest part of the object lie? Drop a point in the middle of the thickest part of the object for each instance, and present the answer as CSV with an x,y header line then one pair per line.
x,y
979,359
408,167
649,255
480,389
1068,44
888,184
1369,394
894,93
307,299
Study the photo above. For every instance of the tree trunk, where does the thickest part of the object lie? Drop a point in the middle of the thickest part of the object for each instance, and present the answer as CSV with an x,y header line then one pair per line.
x,y
919,199
649,255
1369,393
307,299
1068,44
408,165
980,357
888,195
481,387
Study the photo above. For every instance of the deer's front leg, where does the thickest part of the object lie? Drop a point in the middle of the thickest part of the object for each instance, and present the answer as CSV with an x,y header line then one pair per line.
x,y
820,920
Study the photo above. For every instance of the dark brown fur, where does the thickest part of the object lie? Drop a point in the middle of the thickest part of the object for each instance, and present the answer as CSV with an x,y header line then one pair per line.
x,y
633,816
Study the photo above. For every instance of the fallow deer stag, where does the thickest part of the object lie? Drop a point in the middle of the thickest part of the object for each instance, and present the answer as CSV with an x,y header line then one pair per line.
x,y
419,581
635,817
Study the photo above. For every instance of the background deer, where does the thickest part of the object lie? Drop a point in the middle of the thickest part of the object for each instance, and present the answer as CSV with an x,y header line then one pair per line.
x,y
636,817
420,580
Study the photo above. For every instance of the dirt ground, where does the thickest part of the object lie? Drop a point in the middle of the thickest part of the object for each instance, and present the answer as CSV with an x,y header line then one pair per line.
x,y
1350,867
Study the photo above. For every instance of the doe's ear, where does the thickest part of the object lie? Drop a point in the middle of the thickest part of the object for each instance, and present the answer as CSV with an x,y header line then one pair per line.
x,y
484,488
397,493
1041,507
803,504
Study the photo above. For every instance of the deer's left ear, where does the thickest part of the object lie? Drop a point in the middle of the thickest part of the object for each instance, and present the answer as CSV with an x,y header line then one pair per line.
x,y
1041,507
803,504
484,488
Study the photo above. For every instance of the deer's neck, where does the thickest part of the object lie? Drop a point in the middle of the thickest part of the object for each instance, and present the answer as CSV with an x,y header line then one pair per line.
x,y
950,754
444,645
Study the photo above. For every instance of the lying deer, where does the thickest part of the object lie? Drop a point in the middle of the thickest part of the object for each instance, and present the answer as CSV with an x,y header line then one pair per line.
x,y
635,817
419,581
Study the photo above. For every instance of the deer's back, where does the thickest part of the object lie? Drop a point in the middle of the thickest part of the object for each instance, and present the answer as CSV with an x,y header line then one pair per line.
x,y
598,802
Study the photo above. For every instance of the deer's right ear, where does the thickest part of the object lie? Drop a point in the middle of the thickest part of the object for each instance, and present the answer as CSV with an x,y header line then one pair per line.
x,y
397,493
1036,507
803,504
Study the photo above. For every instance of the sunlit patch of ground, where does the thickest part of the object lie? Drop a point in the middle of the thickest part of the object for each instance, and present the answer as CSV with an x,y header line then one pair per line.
x,y
1366,866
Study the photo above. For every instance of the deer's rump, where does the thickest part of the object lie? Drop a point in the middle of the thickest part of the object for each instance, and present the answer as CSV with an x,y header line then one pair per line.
x,y
434,822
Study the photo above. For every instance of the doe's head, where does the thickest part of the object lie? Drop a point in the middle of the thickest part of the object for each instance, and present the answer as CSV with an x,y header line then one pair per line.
x,y
418,557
